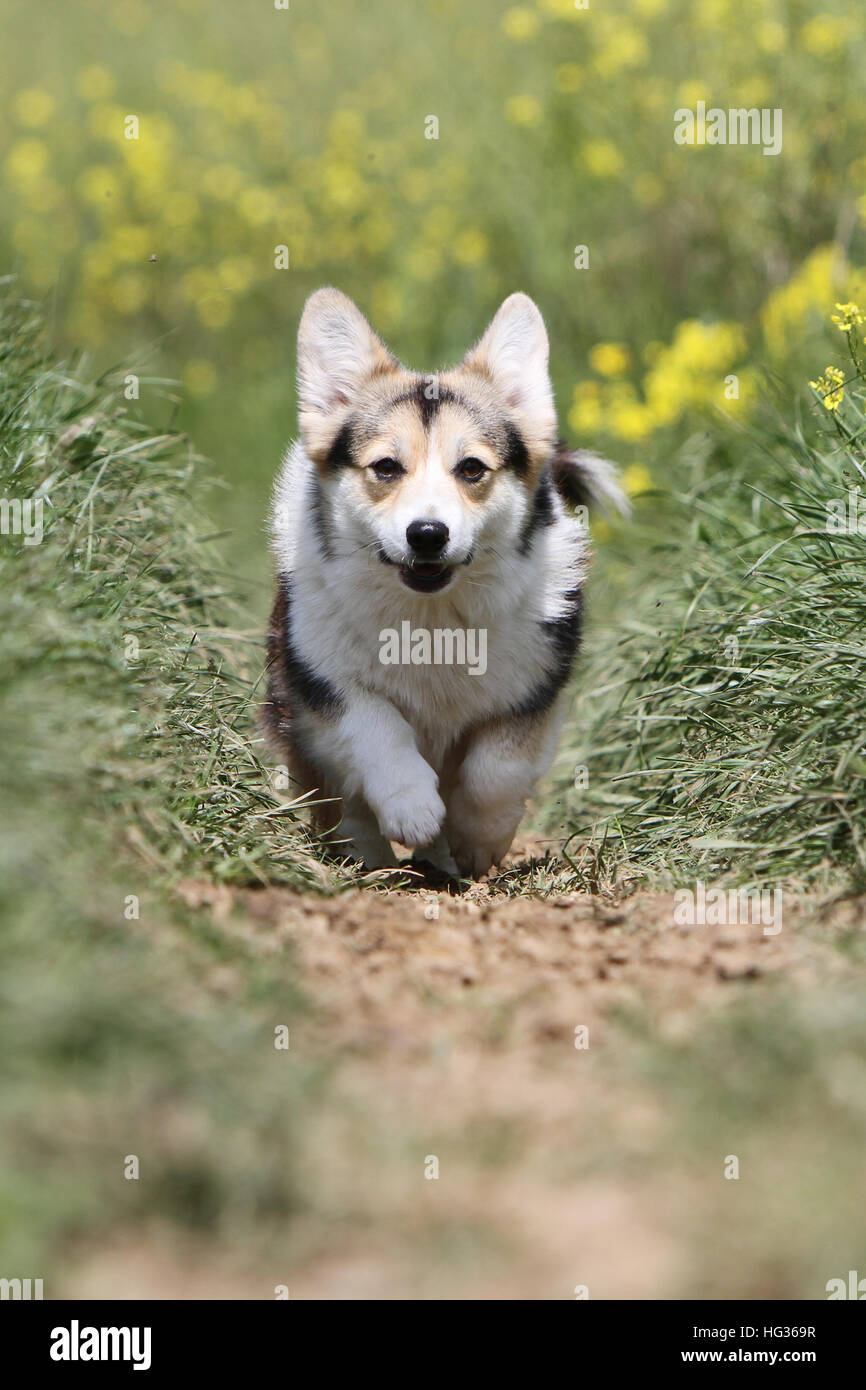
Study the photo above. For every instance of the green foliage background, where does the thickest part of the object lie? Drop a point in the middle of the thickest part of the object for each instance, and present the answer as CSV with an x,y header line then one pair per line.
x,y
306,127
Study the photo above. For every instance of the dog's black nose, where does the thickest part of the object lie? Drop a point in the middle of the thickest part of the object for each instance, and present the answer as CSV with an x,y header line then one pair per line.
x,y
427,537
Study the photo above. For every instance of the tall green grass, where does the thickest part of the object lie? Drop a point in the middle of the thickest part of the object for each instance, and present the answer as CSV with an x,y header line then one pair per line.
x,y
723,732
121,774
131,693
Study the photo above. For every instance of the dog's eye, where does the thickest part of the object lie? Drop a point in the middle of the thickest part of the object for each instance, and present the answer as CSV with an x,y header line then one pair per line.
x,y
387,469
471,470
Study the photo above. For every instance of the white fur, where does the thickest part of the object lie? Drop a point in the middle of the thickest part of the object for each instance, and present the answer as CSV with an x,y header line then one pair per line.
x,y
394,740
389,746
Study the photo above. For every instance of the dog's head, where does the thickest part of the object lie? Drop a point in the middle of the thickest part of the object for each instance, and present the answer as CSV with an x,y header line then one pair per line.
x,y
426,472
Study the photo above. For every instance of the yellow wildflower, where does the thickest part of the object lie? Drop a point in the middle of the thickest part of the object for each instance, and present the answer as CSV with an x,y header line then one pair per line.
x,y
609,359
585,415
848,317
27,160
636,478
830,387
602,158
824,34
470,247
33,107
523,110
200,376
520,23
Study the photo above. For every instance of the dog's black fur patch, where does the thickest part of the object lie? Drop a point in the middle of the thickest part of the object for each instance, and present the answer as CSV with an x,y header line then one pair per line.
x,y
340,453
564,633
541,513
317,510
427,405
515,455
290,678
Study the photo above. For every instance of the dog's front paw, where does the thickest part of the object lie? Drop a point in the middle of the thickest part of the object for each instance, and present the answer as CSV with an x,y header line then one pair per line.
x,y
411,816
475,860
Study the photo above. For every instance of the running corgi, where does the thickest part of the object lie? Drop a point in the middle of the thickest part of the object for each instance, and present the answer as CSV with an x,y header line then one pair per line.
x,y
418,523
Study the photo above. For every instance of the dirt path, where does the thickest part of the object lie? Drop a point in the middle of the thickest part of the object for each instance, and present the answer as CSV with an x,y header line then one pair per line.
x,y
501,1118
455,1025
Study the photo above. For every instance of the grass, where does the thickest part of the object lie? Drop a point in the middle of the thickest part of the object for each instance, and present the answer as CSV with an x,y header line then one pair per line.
x,y
724,733
130,639
122,775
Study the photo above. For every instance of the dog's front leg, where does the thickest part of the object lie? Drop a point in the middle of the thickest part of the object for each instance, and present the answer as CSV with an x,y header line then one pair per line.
x,y
379,761
501,765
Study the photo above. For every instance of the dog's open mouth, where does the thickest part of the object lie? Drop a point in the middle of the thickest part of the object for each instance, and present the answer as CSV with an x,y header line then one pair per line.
x,y
425,578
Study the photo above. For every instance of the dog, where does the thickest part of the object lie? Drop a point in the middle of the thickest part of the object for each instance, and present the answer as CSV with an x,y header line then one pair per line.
x,y
429,588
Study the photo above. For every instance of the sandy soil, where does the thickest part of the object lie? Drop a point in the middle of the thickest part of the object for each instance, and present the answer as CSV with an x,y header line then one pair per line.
x,y
450,1023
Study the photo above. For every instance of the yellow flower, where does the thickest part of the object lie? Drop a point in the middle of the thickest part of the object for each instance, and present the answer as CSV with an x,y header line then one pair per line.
x,y
42,195
848,317
771,36
523,110
627,48
585,415
33,107
95,83
415,185
824,34
690,93
648,190
376,232
179,210
520,23
609,359
602,158
633,421
424,262
562,9
195,284
387,305
99,184
636,478
237,273
200,376
27,161
627,417
128,292
223,182
810,288
215,310
346,129
470,247
830,387
129,242
257,205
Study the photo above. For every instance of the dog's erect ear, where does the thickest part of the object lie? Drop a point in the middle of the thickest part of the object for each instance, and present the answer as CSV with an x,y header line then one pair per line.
x,y
337,353
514,353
